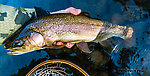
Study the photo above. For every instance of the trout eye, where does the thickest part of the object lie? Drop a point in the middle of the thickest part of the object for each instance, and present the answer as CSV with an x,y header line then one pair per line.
x,y
18,43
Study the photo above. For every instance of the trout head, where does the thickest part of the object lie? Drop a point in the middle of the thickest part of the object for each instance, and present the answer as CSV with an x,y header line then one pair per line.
x,y
25,43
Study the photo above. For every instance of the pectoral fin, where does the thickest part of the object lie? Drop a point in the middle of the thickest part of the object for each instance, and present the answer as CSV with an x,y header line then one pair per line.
x,y
83,46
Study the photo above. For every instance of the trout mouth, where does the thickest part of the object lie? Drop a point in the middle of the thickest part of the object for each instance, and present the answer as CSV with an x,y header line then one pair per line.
x,y
14,53
18,51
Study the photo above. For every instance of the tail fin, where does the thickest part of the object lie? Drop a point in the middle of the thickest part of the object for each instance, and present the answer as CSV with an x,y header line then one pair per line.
x,y
108,40
129,33
129,40
119,31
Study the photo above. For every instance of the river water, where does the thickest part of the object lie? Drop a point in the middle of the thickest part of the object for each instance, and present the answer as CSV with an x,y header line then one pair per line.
x,y
119,58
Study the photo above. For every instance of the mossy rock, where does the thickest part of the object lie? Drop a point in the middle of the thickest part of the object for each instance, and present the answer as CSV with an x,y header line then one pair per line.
x,y
11,19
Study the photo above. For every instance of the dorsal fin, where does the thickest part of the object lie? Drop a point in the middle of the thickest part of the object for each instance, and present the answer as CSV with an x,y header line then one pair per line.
x,y
83,46
85,14
40,12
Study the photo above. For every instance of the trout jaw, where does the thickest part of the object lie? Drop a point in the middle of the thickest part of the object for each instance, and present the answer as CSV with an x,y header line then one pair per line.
x,y
15,53
20,51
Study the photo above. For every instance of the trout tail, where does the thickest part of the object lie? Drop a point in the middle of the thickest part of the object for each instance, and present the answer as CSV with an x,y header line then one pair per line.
x,y
111,30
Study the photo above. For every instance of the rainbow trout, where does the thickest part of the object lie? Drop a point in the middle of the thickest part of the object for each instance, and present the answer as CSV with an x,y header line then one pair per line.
x,y
44,31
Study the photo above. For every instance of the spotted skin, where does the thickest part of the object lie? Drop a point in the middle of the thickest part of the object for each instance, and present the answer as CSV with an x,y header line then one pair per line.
x,y
65,27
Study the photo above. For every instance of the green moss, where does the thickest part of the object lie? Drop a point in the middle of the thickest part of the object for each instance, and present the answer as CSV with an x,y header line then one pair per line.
x,y
22,9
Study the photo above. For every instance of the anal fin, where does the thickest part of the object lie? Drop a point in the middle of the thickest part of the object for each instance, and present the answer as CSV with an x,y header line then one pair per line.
x,y
83,46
